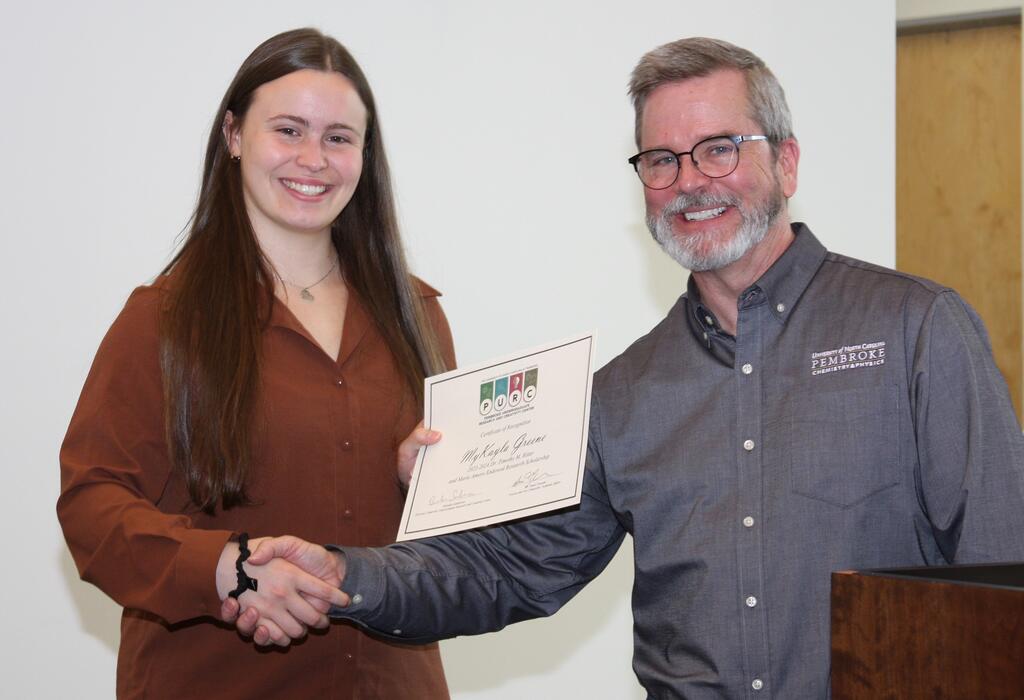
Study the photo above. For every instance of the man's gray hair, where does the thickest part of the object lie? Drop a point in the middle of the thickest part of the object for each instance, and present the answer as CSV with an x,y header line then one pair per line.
x,y
697,57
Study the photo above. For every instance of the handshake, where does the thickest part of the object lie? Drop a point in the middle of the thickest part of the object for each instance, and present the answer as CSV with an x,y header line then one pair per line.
x,y
298,582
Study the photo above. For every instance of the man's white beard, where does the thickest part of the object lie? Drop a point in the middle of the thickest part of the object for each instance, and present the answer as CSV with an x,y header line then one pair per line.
x,y
703,252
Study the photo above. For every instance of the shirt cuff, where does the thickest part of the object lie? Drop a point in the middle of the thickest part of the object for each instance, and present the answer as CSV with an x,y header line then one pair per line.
x,y
196,570
364,583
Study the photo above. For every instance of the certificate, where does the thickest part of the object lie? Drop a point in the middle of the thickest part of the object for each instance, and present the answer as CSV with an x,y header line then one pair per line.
x,y
514,440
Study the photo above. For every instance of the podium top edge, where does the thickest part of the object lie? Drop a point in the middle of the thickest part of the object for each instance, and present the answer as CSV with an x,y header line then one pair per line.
x,y
1003,575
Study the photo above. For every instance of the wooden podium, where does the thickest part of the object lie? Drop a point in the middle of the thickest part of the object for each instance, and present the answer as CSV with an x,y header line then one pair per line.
x,y
936,632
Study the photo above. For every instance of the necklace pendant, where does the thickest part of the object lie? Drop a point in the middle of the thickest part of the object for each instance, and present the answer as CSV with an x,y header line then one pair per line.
x,y
306,295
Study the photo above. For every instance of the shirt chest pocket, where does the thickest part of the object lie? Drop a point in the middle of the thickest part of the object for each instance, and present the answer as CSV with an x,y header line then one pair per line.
x,y
844,445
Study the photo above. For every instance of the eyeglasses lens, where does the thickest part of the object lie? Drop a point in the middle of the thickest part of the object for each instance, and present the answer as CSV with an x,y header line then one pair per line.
x,y
715,157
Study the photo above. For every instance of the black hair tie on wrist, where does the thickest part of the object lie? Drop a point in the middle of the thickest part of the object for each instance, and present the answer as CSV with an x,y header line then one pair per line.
x,y
245,582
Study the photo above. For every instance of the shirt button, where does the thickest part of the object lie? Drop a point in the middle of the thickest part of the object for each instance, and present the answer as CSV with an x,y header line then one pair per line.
x,y
747,368
349,657
340,382
347,445
348,513
396,631
747,521
357,599
751,601
781,308
748,445
757,684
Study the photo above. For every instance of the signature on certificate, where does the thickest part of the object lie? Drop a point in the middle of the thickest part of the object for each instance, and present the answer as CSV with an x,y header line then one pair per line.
x,y
531,477
451,497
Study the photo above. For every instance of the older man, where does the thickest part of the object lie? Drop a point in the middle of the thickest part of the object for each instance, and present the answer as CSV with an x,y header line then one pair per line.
x,y
796,412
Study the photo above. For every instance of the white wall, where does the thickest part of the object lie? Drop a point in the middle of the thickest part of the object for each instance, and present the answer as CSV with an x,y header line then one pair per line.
x,y
508,129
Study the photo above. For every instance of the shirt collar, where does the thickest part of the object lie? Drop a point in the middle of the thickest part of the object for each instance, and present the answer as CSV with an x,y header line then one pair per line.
x,y
781,286
785,281
355,326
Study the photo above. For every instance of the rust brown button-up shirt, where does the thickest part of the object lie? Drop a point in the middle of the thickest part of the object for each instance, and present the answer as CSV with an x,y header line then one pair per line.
x,y
324,470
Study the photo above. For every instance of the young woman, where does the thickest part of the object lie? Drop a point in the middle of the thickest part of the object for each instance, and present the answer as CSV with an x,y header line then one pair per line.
x,y
260,386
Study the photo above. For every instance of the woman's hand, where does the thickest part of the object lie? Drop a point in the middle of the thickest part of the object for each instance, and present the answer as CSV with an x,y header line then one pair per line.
x,y
409,450
296,587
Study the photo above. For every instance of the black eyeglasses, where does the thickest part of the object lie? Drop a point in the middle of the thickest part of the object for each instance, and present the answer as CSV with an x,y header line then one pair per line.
x,y
717,156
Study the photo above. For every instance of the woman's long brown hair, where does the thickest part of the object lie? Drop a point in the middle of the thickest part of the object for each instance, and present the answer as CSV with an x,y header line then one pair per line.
x,y
221,288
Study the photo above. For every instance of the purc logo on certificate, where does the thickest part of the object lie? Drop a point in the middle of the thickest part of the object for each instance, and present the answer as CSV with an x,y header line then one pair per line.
x,y
508,392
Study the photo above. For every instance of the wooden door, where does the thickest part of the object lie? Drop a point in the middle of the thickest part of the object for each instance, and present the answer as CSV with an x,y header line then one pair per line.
x,y
958,170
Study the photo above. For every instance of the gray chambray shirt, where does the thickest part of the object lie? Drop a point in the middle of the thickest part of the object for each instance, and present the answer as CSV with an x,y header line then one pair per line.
x,y
856,420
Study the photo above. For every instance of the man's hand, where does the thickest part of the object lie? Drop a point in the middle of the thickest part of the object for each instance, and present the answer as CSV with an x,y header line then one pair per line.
x,y
313,561
409,450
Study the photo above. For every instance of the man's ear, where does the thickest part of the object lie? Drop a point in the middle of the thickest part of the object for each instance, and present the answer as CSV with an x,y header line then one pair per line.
x,y
786,165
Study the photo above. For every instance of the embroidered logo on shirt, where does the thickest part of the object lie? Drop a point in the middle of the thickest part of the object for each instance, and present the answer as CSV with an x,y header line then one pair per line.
x,y
848,357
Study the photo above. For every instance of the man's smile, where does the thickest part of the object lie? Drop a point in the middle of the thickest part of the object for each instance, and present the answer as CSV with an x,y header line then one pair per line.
x,y
704,214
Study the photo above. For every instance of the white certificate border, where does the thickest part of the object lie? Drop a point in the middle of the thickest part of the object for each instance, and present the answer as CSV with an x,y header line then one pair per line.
x,y
533,509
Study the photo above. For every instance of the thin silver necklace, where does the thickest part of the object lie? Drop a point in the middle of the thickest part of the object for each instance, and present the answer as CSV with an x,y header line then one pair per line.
x,y
304,292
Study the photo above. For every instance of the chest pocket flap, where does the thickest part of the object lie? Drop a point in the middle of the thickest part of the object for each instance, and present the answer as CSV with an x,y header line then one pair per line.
x,y
844,445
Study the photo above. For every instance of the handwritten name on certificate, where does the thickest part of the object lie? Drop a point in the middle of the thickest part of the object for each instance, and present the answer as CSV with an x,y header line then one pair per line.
x,y
515,440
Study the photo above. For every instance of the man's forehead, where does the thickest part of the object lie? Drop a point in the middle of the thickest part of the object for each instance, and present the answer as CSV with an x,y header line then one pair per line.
x,y
695,108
